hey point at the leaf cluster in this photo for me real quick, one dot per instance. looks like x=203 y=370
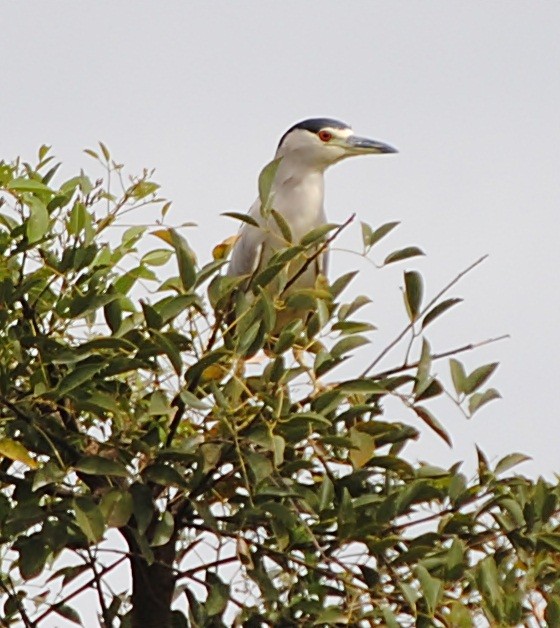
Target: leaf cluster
x=129 y=402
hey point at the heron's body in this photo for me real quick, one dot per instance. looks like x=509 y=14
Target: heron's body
x=306 y=150
x=298 y=197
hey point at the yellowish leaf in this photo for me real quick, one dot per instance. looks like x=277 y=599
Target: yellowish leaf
x=212 y=373
x=364 y=445
x=163 y=234
x=16 y=451
x=220 y=251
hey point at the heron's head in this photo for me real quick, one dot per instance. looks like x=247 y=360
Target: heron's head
x=321 y=142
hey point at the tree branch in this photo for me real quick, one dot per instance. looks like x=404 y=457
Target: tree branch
x=79 y=590
x=98 y=585
x=318 y=252
x=438 y=356
x=410 y=326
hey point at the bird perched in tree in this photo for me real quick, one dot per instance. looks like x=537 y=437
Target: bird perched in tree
x=295 y=198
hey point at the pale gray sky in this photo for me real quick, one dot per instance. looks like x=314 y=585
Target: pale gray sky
x=468 y=91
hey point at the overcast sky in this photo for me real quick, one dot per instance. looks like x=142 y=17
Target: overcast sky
x=469 y=93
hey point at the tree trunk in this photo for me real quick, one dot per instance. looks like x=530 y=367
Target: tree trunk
x=152 y=585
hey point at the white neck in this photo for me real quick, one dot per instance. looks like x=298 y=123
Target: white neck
x=298 y=191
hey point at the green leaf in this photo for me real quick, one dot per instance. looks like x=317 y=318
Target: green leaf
x=170 y=349
x=163 y=530
x=116 y=507
x=80 y=375
x=331 y=616
x=38 y=222
x=352 y=327
x=488 y=580
x=49 y=473
x=260 y=466
x=165 y=475
x=367 y=232
x=178 y=620
x=288 y=336
x=112 y=313
x=192 y=401
x=89 y=518
x=432 y=389
x=268 y=310
x=513 y=509
x=279 y=448
x=478 y=377
x=410 y=594
x=33 y=553
x=77 y=219
x=43 y=151
x=432 y=588
x=458 y=375
x=186 y=260
x=380 y=233
x=143 y=506
x=460 y=616
x=550 y=539
x=242 y=217
x=152 y=318
x=397 y=256
x=477 y=400
x=105 y=151
x=348 y=344
x=413 y=293
x=282 y=225
x=23 y=184
x=326 y=494
x=552 y=611
x=390 y=618
x=266 y=179
x=509 y=461
x=438 y=310
x=431 y=421
x=141 y=189
x=423 y=379
x=317 y=234
x=218 y=595
x=97 y=465
x=347 y=309
x=310 y=417
x=340 y=284
x=157 y=257
x=68 y=613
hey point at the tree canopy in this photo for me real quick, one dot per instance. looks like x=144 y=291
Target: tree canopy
x=250 y=483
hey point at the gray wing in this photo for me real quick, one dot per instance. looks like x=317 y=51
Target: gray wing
x=247 y=252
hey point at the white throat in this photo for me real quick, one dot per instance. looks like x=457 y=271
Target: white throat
x=299 y=191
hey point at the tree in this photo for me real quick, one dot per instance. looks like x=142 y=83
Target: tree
x=265 y=492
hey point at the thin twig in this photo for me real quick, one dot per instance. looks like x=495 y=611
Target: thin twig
x=98 y=585
x=177 y=417
x=438 y=356
x=84 y=587
x=410 y=326
x=318 y=252
x=205 y=566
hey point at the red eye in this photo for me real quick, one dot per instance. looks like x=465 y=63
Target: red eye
x=325 y=136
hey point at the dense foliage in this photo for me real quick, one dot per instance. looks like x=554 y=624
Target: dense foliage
x=260 y=490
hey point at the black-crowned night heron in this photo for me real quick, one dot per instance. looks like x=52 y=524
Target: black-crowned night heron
x=306 y=150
